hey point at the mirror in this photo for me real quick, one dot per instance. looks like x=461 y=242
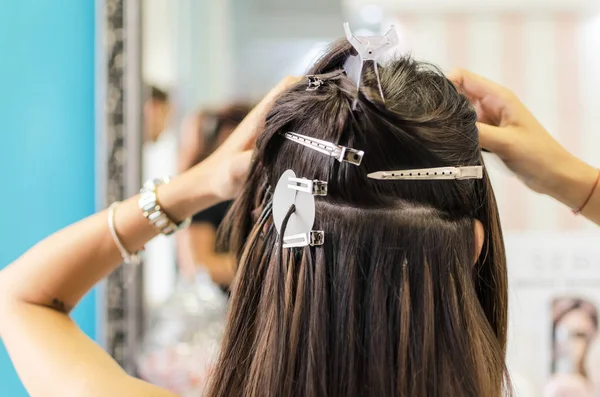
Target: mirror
x=205 y=63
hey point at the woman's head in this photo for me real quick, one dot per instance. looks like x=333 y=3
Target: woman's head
x=393 y=303
x=575 y=326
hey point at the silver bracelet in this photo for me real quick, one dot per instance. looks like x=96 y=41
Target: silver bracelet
x=128 y=257
x=153 y=211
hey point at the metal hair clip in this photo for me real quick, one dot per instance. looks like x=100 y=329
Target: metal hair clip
x=368 y=49
x=314 y=83
x=298 y=192
x=340 y=153
x=460 y=173
x=314 y=238
x=316 y=187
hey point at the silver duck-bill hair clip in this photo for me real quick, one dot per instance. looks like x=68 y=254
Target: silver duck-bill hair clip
x=440 y=173
x=340 y=153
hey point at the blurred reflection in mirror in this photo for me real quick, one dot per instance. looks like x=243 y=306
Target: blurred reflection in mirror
x=200 y=136
x=183 y=337
x=184 y=332
x=159 y=157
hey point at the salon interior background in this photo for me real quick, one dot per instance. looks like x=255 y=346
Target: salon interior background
x=255 y=42
x=212 y=51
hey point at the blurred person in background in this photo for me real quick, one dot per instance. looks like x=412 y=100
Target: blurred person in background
x=159 y=159
x=201 y=135
x=184 y=331
x=157 y=110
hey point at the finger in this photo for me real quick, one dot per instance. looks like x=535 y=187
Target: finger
x=474 y=85
x=244 y=136
x=490 y=99
x=485 y=117
x=493 y=138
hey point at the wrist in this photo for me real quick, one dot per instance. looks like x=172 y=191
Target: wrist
x=187 y=194
x=572 y=180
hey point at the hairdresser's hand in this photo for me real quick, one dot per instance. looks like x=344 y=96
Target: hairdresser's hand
x=508 y=129
x=228 y=166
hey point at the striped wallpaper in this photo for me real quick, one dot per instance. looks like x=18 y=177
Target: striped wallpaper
x=550 y=60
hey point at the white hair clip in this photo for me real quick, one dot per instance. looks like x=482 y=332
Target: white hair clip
x=316 y=187
x=340 y=153
x=300 y=192
x=460 y=173
x=369 y=48
x=313 y=238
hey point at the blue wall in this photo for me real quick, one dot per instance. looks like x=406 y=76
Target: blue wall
x=46 y=132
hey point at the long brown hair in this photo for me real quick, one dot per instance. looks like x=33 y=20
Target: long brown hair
x=391 y=304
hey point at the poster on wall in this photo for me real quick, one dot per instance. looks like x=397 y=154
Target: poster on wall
x=554 y=304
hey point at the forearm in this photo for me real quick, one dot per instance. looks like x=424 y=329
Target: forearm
x=55 y=359
x=61 y=269
x=572 y=184
x=185 y=258
x=52 y=356
x=221 y=268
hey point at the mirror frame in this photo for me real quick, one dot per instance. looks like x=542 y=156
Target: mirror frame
x=119 y=122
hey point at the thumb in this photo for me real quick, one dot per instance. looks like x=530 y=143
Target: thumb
x=493 y=138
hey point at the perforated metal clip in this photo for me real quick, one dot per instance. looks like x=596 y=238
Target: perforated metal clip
x=340 y=153
x=316 y=187
x=459 y=173
x=314 y=238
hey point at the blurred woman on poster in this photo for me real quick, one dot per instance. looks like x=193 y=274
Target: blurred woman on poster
x=575 y=325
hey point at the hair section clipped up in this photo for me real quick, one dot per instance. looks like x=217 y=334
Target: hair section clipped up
x=393 y=300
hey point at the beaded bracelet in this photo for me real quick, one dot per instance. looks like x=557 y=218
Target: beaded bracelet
x=587 y=200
